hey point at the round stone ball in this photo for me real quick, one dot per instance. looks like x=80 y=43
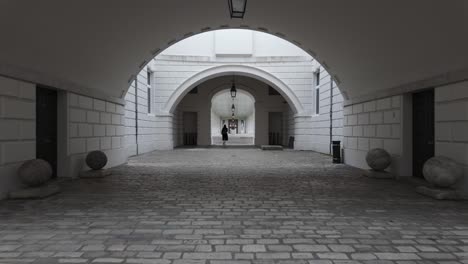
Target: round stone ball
x=442 y=171
x=96 y=160
x=378 y=159
x=35 y=172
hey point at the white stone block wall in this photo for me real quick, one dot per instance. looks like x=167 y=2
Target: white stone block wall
x=288 y=127
x=177 y=132
x=149 y=131
x=311 y=131
x=373 y=124
x=93 y=124
x=17 y=130
x=171 y=71
x=318 y=126
x=451 y=125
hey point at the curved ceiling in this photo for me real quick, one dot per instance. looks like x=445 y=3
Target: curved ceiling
x=221 y=104
x=96 y=46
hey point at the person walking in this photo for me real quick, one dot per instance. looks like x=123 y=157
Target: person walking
x=224 y=133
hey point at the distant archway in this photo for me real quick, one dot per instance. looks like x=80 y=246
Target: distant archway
x=241 y=70
x=238 y=114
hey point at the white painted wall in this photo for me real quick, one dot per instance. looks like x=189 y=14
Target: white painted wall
x=17 y=130
x=451 y=125
x=149 y=131
x=374 y=124
x=387 y=123
x=84 y=124
x=314 y=131
x=93 y=125
x=235 y=42
x=277 y=57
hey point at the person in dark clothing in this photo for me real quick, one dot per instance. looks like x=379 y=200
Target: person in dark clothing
x=224 y=133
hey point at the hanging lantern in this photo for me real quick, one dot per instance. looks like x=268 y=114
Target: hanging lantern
x=233 y=90
x=237 y=8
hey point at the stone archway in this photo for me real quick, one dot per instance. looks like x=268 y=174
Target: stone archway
x=242 y=70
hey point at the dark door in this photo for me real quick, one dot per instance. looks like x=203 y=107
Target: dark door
x=190 y=121
x=46 y=126
x=423 y=129
x=275 y=128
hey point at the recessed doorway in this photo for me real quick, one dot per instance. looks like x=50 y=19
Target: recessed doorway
x=423 y=130
x=275 y=128
x=46 y=126
x=190 y=120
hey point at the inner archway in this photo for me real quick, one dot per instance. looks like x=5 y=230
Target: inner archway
x=262 y=115
x=237 y=114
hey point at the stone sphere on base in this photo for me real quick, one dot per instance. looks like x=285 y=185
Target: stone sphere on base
x=35 y=172
x=378 y=159
x=442 y=171
x=96 y=160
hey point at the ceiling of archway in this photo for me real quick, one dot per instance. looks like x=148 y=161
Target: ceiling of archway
x=98 y=45
x=221 y=104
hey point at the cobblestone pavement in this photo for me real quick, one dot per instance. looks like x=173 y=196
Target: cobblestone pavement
x=227 y=206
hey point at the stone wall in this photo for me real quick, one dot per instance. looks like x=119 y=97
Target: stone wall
x=311 y=131
x=145 y=130
x=171 y=71
x=451 y=125
x=373 y=124
x=316 y=128
x=93 y=124
x=17 y=130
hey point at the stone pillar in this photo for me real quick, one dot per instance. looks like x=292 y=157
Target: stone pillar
x=302 y=132
x=163 y=139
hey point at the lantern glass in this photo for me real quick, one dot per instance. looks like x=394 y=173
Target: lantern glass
x=237 y=8
x=233 y=91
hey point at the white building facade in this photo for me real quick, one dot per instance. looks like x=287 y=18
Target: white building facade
x=259 y=62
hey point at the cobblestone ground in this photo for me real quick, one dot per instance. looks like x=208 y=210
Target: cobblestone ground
x=226 y=206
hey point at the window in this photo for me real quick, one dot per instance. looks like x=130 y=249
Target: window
x=317 y=91
x=317 y=100
x=149 y=79
x=149 y=99
x=149 y=75
x=317 y=77
x=272 y=91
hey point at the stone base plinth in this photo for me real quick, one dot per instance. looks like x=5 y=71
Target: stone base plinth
x=271 y=147
x=92 y=174
x=36 y=192
x=378 y=174
x=441 y=193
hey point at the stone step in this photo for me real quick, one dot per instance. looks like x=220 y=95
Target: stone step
x=271 y=147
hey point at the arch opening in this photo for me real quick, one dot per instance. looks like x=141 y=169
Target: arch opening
x=237 y=114
x=261 y=117
x=233 y=70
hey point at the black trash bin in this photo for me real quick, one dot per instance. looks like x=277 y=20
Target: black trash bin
x=336 y=148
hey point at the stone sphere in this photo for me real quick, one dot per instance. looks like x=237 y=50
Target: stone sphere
x=378 y=159
x=96 y=160
x=35 y=172
x=442 y=171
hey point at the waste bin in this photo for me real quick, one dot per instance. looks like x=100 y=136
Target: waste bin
x=336 y=148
